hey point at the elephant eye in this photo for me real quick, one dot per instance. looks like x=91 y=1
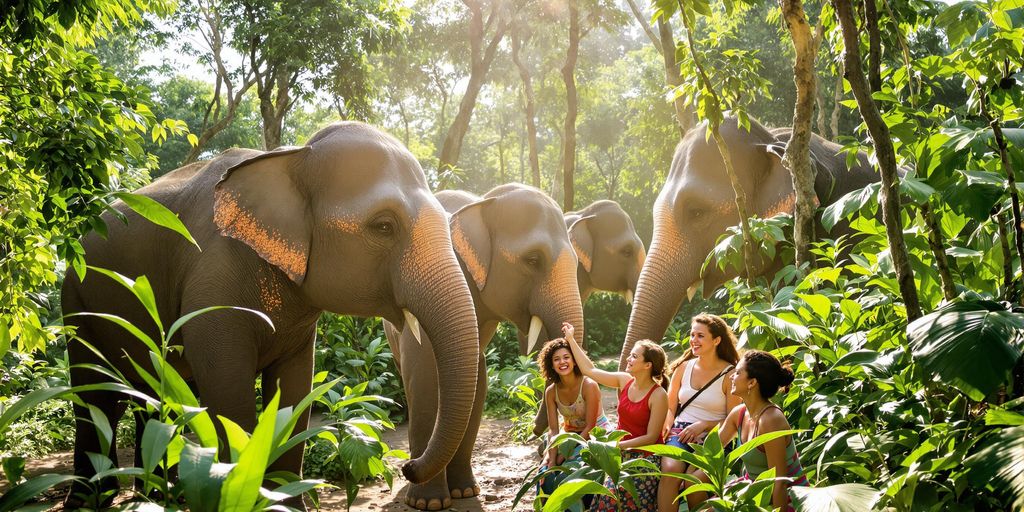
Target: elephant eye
x=532 y=260
x=384 y=227
x=627 y=252
x=696 y=213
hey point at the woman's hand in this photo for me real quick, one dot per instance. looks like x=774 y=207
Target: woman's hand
x=568 y=331
x=693 y=432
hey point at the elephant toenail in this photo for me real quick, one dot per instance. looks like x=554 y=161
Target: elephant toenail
x=434 y=504
x=456 y=493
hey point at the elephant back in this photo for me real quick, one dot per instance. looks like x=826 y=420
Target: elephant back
x=453 y=200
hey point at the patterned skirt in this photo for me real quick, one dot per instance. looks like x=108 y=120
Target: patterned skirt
x=646 y=490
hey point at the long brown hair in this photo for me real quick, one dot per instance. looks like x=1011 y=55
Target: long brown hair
x=726 y=349
x=654 y=354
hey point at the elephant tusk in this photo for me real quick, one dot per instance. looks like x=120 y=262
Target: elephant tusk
x=413 y=324
x=692 y=290
x=535 y=324
x=629 y=297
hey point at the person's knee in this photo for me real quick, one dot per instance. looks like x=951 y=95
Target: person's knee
x=673 y=465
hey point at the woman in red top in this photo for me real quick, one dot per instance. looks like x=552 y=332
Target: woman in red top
x=643 y=404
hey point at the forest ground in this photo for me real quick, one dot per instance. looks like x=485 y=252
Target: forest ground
x=499 y=464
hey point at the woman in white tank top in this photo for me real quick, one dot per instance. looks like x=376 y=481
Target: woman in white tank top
x=708 y=361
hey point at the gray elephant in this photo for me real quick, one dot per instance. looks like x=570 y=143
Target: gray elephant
x=345 y=224
x=610 y=253
x=697 y=204
x=514 y=248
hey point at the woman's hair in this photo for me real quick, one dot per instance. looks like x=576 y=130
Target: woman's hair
x=726 y=349
x=769 y=372
x=547 y=352
x=654 y=354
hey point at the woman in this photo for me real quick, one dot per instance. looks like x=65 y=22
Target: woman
x=758 y=377
x=700 y=383
x=643 y=404
x=577 y=399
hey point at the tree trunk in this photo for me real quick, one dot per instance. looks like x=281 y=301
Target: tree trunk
x=837 y=108
x=1011 y=183
x=874 y=45
x=684 y=114
x=531 y=107
x=480 y=64
x=571 y=106
x=1004 y=244
x=819 y=101
x=942 y=262
x=884 y=152
x=798 y=150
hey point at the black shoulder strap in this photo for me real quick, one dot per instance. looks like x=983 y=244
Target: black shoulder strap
x=701 y=390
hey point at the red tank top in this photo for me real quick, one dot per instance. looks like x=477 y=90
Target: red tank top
x=635 y=416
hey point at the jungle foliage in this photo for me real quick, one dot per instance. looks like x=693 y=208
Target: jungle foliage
x=922 y=414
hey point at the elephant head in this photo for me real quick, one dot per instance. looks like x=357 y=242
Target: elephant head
x=609 y=251
x=350 y=220
x=514 y=246
x=696 y=206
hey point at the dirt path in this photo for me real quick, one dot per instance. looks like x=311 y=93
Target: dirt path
x=499 y=463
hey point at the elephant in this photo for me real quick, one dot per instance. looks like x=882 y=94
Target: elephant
x=345 y=223
x=697 y=204
x=514 y=248
x=609 y=251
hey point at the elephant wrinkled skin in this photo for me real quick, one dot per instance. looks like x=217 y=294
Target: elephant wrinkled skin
x=514 y=248
x=345 y=224
x=697 y=204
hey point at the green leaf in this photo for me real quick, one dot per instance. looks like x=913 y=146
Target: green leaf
x=834 y=498
x=786 y=329
x=849 y=203
x=820 y=304
x=19 y=494
x=998 y=465
x=996 y=416
x=857 y=358
x=185 y=318
x=156 y=213
x=758 y=441
x=13 y=468
x=571 y=492
x=5 y=338
x=201 y=477
x=155 y=438
x=30 y=401
x=973 y=345
x=128 y=326
x=242 y=486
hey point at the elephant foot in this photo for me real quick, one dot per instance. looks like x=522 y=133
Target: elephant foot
x=432 y=495
x=467 y=492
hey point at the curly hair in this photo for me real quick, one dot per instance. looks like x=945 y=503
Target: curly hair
x=726 y=349
x=654 y=354
x=547 y=352
x=770 y=373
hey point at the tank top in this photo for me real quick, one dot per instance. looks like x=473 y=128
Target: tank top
x=710 y=405
x=755 y=461
x=635 y=416
x=574 y=415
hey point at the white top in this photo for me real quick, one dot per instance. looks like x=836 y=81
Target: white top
x=709 y=406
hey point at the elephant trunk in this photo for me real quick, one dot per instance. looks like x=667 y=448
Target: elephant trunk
x=662 y=285
x=559 y=299
x=436 y=292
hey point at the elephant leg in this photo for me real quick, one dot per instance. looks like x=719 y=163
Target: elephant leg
x=461 y=482
x=419 y=377
x=293 y=378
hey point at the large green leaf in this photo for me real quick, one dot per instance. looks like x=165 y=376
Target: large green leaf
x=571 y=492
x=156 y=213
x=155 y=438
x=972 y=344
x=242 y=486
x=787 y=329
x=1001 y=464
x=201 y=477
x=19 y=494
x=834 y=498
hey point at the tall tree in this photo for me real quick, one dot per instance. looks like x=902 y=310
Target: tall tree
x=571 y=107
x=296 y=46
x=519 y=37
x=483 y=48
x=665 y=43
x=884 y=152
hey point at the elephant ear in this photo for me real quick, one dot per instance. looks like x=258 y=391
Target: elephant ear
x=257 y=202
x=583 y=241
x=775 y=187
x=472 y=240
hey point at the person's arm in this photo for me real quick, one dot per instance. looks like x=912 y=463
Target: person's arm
x=591 y=397
x=673 y=399
x=610 y=379
x=658 y=402
x=549 y=400
x=729 y=426
x=731 y=401
x=775 y=450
